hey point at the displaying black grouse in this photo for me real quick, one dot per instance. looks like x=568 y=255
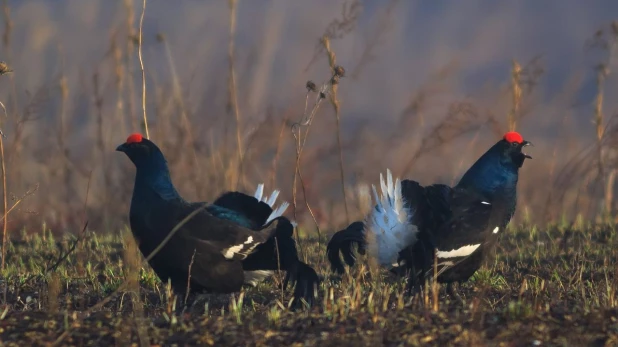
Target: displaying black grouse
x=237 y=240
x=411 y=223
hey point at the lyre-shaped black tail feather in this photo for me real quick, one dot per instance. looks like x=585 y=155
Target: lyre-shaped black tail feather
x=305 y=281
x=342 y=243
x=280 y=253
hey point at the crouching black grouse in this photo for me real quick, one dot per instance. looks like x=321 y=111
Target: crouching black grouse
x=237 y=240
x=460 y=224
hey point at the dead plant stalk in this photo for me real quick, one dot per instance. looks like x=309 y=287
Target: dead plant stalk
x=141 y=63
x=602 y=73
x=232 y=87
x=4 y=204
x=4 y=197
x=516 y=88
x=332 y=59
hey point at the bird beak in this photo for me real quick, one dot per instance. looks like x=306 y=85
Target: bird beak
x=524 y=144
x=121 y=148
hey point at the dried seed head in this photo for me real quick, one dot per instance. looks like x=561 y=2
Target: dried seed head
x=322 y=95
x=339 y=71
x=311 y=86
x=4 y=68
x=335 y=79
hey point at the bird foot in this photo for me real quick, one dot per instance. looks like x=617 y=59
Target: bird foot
x=452 y=292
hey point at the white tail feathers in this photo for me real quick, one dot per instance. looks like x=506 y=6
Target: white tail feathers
x=389 y=221
x=252 y=278
x=259 y=192
x=277 y=212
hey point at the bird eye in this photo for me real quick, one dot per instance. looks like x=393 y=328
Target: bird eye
x=514 y=144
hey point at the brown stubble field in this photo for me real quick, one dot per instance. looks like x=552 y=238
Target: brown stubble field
x=73 y=274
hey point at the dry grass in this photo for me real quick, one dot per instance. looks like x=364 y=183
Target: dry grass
x=557 y=285
x=553 y=278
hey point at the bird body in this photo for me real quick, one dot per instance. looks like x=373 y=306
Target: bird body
x=481 y=204
x=468 y=232
x=152 y=218
x=254 y=212
x=458 y=225
x=216 y=247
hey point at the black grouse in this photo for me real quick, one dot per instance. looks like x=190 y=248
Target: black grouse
x=237 y=240
x=460 y=224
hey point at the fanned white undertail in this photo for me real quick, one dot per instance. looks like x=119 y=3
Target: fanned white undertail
x=389 y=221
x=270 y=200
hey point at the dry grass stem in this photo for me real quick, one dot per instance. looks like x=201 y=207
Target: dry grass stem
x=337 y=72
x=141 y=63
x=4 y=199
x=516 y=98
x=233 y=4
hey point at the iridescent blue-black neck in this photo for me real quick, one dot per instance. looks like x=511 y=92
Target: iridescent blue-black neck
x=494 y=175
x=153 y=176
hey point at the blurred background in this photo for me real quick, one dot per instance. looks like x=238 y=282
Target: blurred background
x=429 y=86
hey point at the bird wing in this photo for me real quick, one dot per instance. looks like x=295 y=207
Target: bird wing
x=432 y=208
x=222 y=235
x=231 y=215
x=437 y=206
x=249 y=211
x=464 y=224
x=429 y=203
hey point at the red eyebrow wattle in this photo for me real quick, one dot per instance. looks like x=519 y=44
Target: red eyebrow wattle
x=134 y=138
x=513 y=136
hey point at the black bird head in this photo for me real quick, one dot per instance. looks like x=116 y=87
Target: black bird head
x=498 y=167
x=142 y=152
x=152 y=170
x=511 y=146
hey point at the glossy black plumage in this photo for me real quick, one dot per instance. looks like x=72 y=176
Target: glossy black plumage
x=221 y=244
x=278 y=253
x=460 y=224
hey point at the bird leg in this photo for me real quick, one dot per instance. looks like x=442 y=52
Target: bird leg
x=414 y=284
x=451 y=291
x=191 y=306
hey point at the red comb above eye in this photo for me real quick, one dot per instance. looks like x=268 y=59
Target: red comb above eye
x=134 y=138
x=513 y=136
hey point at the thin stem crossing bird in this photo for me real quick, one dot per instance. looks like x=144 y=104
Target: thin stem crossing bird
x=237 y=240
